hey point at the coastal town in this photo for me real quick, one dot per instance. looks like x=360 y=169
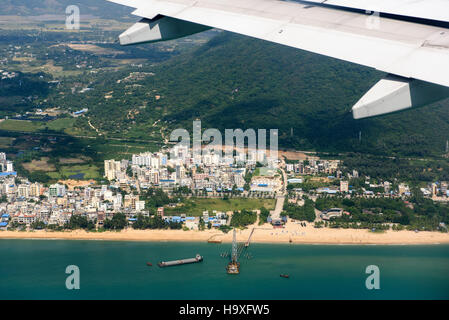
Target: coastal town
x=286 y=186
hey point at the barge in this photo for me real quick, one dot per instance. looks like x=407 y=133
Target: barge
x=198 y=258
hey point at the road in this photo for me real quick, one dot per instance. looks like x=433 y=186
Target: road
x=280 y=199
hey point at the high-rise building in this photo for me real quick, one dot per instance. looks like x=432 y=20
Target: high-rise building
x=434 y=189
x=344 y=186
x=180 y=172
x=130 y=201
x=387 y=186
x=118 y=200
x=9 y=166
x=56 y=190
x=140 y=205
x=111 y=168
x=403 y=188
x=23 y=190
x=35 y=189
x=443 y=187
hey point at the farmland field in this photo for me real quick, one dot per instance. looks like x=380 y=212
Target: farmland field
x=77 y=172
x=39 y=165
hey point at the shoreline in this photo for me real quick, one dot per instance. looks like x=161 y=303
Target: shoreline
x=291 y=234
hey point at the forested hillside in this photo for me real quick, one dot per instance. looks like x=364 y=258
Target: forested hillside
x=239 y=82
x=226 y=80
x=100 y=8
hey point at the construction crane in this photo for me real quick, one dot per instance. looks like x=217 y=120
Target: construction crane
x=236 y=251
x=233 y=266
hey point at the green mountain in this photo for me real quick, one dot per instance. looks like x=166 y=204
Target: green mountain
x=228 y=81
x=99 y=8
x=239 y=82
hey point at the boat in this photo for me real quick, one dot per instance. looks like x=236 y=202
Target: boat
x=198 y=258
x=285 y=276
x=149 y=264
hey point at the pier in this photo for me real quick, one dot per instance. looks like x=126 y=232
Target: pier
x=213 y=239
x=233 y=266
x=249 y=238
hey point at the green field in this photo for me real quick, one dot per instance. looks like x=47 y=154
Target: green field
x=196 y=206
x=63 y=125
x=60 y=124
x=20 y=125
x=34 y=126
x=113 y=149
x=68 y=172
x=6 y=142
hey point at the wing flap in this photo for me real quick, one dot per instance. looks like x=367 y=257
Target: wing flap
x=437 y=10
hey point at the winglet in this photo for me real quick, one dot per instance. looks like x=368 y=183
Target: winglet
x=159 y=29
x=394 y=93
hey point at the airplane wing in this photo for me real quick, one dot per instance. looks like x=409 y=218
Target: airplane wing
x=407 y=39
x=423 y=9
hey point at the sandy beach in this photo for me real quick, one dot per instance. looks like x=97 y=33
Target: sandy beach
x=292 y=233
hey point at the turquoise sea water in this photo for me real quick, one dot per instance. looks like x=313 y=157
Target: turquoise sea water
x=35 y=269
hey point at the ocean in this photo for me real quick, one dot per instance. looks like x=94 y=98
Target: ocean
x=36 y=269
